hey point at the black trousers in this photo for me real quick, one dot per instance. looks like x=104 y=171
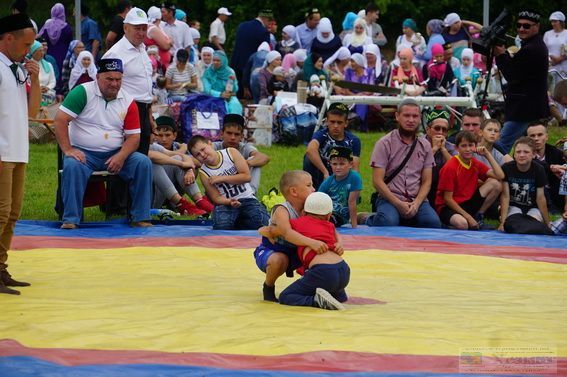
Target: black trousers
x=144 y=110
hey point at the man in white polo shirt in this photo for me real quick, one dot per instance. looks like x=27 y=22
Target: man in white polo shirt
x=16 y=37
x=217 y=35
x=137 y=79
x=98 y=128
x=177 y=30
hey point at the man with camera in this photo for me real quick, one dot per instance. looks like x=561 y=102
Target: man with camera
x=526 y=73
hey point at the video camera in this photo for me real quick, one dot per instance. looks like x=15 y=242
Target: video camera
x=492 y=35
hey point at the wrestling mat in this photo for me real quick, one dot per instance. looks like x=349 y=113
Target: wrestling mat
x=178 y=300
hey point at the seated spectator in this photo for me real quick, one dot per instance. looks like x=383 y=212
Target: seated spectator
x=437 y=73
x=460 y=202
x=457 y=33
x=343 y=186
x=553 y=162
x=278 y=83
x=273 y=60
x=472 y=120
x=181 y=77
x=558 y=105
x=51 y=59
x=402 y=165
x=326 y=43
x=467 y=70
x=358 y=73
x=406 y=75
x=337 y=64
x=160 y=95
x=219 y=80
x=232 y=136
x=202 y=65
x=157 y=67
x=313 y=66
x=356 y=40
x=104 y=135
x=194 y=52
x=75 y=48
x=410 y=38
x=436 y=130
x=523 y=186
x=434 y=29
x=289 y=65
x=253 y=65
x=348 y=24
x=490 y=133
x=174 y=172
x=373 y=62
x=316 y=161
x=449 y=57
x=83 y=71
x=47 y=79
x=226 y=178
x=289 y=42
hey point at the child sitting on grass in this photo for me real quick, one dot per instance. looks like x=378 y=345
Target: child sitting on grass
x=489 y=135
x=460 y=202
x=326 y=274
x=343 y=186
x=226 y=178
x=523 y=186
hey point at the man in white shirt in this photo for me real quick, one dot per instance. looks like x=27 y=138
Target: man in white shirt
x=137 y=79
x=307 y=31
x=217 y=35
x=177 y=30
x=16 y=37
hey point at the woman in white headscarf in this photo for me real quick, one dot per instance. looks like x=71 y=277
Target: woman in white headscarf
x=356 y=40
x=83 y=71
x=202 y=65
x=556 y=42
x=273 y=60
x=300 y=56
x=373 y=61
x=358 y=73
x=156 y=36
x=326 y=43
x=467 y=70
x=289 y=42
x=337 y=64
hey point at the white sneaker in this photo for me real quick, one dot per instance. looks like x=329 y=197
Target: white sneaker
x=325 y=300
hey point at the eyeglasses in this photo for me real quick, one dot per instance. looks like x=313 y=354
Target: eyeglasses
x=440 y=129
x=524 y=26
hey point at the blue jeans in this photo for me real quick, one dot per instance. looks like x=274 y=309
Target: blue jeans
x=137 y=170
x=249 y=215
x=388 y=215
x=511 y=132
x=331 y=277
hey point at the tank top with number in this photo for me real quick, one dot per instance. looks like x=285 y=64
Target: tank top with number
x=226 y=167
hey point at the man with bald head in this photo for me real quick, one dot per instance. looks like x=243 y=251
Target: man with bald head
x=98 y=128
x=16 y=37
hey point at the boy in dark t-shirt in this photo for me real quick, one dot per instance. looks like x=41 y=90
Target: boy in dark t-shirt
x=523 y=186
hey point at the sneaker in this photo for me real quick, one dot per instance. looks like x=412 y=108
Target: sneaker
x=189 y=209
x=479 y=218
x=205 y=204
x=325 y=300
x=269 y=293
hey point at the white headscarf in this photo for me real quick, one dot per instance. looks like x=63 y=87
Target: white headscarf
x=467 y=71
x=374 y=50
x=359 y=59
x=325 y=26
x=264 y=46
x=292 y=33
x=342 y=53
x=78 y=68
x=300 y=55
x=354 y=39
x=209 y=50
x=194 y=33
x=271 y=56
x=154 y=13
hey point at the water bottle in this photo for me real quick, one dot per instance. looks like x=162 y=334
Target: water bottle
x=230 y=84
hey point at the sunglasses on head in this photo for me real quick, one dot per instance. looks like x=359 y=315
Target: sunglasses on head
x=521 y=25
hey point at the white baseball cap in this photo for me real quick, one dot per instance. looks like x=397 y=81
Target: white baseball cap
x=557 y=16
x=136 y=16
x=224 y=11
x=318 y=203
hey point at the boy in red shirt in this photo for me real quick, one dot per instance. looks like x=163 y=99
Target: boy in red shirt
x=326 y=274
x=460 y=201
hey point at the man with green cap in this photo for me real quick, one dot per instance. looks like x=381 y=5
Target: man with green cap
x=436 y=130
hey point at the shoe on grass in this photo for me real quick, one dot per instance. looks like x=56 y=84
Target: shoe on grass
x=325 y=300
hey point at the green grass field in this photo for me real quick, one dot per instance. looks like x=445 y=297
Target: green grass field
x=41 y=180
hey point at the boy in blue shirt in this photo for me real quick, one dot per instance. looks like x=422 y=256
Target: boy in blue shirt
x=343 y=186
